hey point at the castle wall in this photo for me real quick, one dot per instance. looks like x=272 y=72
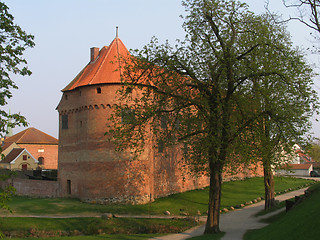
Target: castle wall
x=32 y=188
x=89 y=167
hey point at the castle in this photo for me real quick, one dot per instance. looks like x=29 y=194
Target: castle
x=89 y=167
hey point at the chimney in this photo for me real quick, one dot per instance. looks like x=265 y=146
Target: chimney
x=94 y=52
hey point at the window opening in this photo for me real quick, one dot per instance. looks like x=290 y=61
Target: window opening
x=41 y=160
x=65 y=122
x=164 y=122
x=98 y=90
x=24 y=167
x=127 y=116
x=160 y=146
x=68 y=186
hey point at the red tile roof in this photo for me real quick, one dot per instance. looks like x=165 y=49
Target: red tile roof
x=12 y=155
x=305 y=166
x=104 y=69
x=32 y=136
x=5 y=145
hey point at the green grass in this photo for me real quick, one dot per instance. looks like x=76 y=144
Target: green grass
x=48 y=227
x=99 y=237
x=217 y=236
x=301 y=222
x=233 y=193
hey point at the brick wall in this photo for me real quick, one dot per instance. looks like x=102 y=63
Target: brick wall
x=48 y=152
x=89 y=167
x=34 y=188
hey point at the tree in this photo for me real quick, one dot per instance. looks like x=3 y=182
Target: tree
x=285 y=100
x=307 y=12
x=201 y=89
x=314 y=151
x=13 y=43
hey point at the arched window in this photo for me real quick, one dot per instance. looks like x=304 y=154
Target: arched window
x=41 y=160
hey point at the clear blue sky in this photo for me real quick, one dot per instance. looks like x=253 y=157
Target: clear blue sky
x=66 y=29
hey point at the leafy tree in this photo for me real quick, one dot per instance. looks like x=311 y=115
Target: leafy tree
x=314 y=151
x=199 y=94
x=13 y=43
x=286 y=101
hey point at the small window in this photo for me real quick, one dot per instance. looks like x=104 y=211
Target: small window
x=160 y=146
x=66 y=97
x=185 y=148
x=164 y=122
x=64 y=121
x=80 y=123
x=127 y=116
x=25 y=157
x=177 y=124
x=80 y=93
x=68 y=186
x=41 y=160
x=99 y=90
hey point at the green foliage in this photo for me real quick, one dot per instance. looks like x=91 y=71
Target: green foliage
x=301 y=222
x=13 y=43
x=314 y=152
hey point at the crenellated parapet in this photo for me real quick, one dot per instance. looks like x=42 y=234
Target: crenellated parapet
x=84 y=108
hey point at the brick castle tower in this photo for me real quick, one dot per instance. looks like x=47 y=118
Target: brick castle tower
x=89 y=168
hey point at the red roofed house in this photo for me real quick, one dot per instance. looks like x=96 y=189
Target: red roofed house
x=297 y=169
x=19 y=159
x=43 y=147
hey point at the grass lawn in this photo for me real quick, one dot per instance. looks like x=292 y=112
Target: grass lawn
x=233 y=193
x=48 y=227
x=217 y=236
x=99 y=237
x=301 y=222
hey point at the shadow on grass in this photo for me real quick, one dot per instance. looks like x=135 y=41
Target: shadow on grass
x=216 y=236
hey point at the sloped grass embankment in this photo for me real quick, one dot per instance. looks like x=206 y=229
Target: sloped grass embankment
x=301 y=222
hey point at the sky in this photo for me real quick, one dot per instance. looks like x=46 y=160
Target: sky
x=65 y=30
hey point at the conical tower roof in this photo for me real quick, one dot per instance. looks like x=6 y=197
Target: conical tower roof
x=105 y=68
x=31 y=136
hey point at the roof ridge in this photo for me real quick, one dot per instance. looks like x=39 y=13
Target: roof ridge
x=23 y=134
x=104 y=70
x=118 y=52
x=103 y=61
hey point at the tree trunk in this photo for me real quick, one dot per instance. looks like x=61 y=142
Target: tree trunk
x=268 y=186
x=213 y=219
